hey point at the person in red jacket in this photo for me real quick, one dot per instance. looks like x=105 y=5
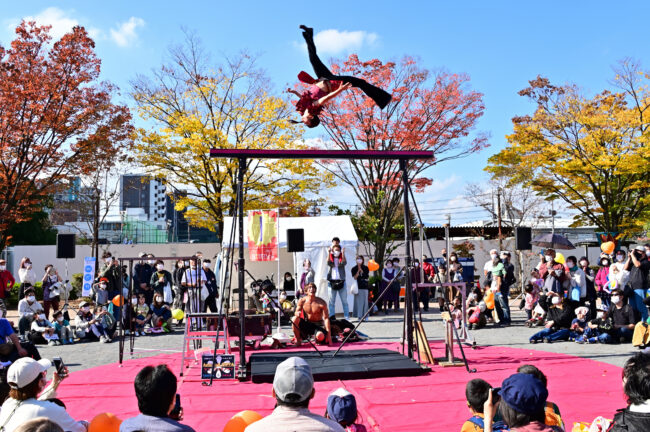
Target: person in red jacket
x=7 y=282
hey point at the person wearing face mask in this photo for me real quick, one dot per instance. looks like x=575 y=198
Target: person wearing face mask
x=360 y=273
x=306 y=277
x=623 y=317
x=111 y=271
x=578 y=282
x=388 y=301
x=420 y=294
x=26 y=275
x=62 y=328
x=638 y=266
x=211 y=285
x=129 y=315
x=498 y=276
x=7 y=282
x=590 y=280
x=27 y=378
x=42 y=332
x=177 y=277
x=487 y=268
x=553 y=273
x=100 y=292
x=194 y=280
x=88 y=325
x=161 y=315
x=502 y=297
x=559 y=317
x=618 y=275
x=28 y=310
x=599 y=329
x=336 y=280
x=142 y=272
x=289 y=285
x=161 y=282
x=601 y=281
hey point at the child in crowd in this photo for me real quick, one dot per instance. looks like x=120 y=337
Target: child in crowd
x=142 y=315
x=531 y=298
x=62 y=328
x=456 y=311
x=579 y=323
x=43 y=332
x=599 y=329
x=552 y=416
x=88 y=325
x=100 y=292
x=476 y=393
x=342 y=408
x=161 y=315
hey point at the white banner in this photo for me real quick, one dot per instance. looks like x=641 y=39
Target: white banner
x=89 y=273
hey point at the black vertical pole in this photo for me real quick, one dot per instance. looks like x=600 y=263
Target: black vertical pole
x=408 y=291
x=241 y=373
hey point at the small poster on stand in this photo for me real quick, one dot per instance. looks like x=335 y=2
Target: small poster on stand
x=224 y=366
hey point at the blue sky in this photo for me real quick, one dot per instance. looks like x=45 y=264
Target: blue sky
x=501 y=45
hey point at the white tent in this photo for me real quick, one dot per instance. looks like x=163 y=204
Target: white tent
x=319 y=232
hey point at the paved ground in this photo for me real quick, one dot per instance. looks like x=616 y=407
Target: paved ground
x=379 y=328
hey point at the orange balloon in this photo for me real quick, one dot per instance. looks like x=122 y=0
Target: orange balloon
x=118 y=300
x=249 y=416
x=235 y=424
x=372 y=265
x=105 y=422
x=608 y=247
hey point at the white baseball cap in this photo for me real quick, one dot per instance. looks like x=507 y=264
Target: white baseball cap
x=293 y=376
x=25 y=370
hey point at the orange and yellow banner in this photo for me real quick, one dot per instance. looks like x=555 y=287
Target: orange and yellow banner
x=263 y=235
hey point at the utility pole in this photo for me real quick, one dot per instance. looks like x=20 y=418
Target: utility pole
x=447 y=226
x=499 y=218
x=553 y=213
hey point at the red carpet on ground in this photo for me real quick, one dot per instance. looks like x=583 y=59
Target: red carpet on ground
x=582 y=388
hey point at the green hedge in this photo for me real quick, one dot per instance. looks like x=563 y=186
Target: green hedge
x=12 y=298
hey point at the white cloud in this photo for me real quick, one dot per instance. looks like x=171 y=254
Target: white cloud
x=333 y=42
x=125 y=34
x=60 y=20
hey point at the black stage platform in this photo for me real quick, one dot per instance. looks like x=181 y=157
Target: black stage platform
x=353 y=364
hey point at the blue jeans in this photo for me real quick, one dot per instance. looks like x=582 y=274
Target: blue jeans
x=502 y=300
x=552 y=335
x=636 y=301
x=343 y=294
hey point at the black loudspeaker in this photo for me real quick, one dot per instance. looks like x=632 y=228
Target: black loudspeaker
x=295 y=240
x=65 y=246
x=522 y=238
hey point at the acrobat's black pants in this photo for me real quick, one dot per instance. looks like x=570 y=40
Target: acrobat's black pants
x=378 y=95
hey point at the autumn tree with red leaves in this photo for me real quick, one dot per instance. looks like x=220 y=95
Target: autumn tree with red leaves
x=56 y=118
x=429 y=111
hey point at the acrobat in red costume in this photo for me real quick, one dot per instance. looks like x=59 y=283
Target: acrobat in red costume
x=328 y=86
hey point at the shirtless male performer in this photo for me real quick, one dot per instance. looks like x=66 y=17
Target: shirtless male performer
x=311 y=317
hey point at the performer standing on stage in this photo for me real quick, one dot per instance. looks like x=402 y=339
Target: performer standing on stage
x=328 y=86
x=311 y=317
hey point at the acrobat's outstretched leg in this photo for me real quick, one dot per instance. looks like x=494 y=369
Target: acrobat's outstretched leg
x=381 y=97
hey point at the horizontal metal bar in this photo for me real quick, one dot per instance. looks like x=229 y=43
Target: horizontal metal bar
x=320 y=154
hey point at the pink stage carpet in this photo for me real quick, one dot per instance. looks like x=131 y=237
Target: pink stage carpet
x=582 y=388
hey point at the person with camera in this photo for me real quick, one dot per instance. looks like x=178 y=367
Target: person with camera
x=89 y=325
x=638 y=266
x=159 y=405
x=27 y=379
x=51 y=291
x=336 y=280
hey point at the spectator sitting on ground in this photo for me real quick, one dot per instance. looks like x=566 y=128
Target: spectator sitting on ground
x=27 y=377
x=28 y=309
x=161 y=315
x=43 y=332
x=476 y=393
x=558 y=319
x=636 y=385
x=599 y=329
x=523 y=398
x=552 y=411
x=623 y=317
x=155 y=388
x=39 y=424
x=88 y=325
x=142 y=315
x=579 y=323
x=62 y=328
x=293 y=388
x=342 y=408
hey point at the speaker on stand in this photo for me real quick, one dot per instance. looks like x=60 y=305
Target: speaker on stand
x=65 y=249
